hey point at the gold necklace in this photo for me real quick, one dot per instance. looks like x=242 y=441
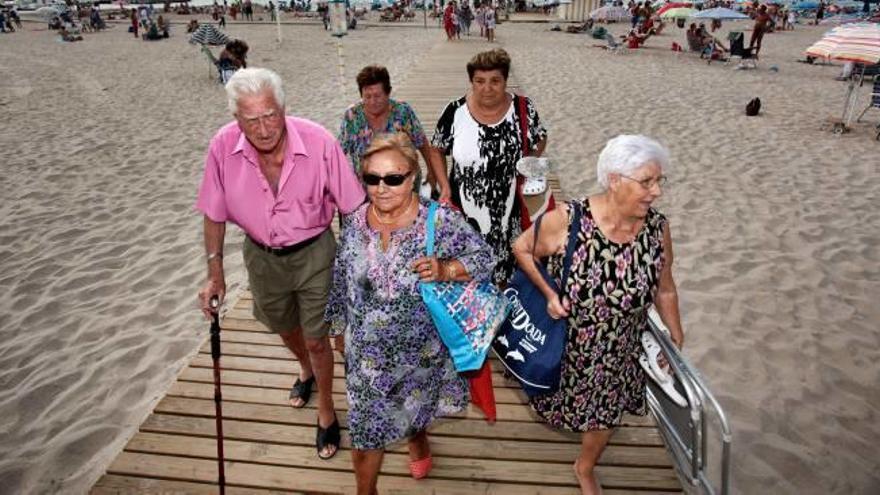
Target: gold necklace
x=394 y=219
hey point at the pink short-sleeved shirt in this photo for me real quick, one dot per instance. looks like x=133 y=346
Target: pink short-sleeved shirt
x=316 y=179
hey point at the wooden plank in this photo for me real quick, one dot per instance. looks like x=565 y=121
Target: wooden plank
x=112 y=484
x=256 y=395
x=501 y=430
x=487 y=470
x=618 y=455
x=290 y=478
x=284 y=382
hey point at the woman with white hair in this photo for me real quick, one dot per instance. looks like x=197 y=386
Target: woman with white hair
x=621 y=266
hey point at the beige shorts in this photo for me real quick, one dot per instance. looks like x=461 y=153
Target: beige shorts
x=290 y=291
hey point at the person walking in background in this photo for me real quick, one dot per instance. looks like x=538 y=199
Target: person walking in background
x=134 y=22
x=482 y=132
x=377 y=113
x=399 y=375
x=490 y=23
x=281 y=179
x=467 y=15
x=248 y=10
x=621 y=267
x=762 y=23
x=272 y=15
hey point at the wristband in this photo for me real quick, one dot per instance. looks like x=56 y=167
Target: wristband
x=211 y=256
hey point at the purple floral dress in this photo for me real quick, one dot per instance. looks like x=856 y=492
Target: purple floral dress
x=611 y=287
x=399 y=376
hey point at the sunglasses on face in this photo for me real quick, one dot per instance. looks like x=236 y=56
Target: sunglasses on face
x=390 y=180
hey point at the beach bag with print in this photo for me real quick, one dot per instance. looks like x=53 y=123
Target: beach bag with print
x=466 y=314
x=531 y=342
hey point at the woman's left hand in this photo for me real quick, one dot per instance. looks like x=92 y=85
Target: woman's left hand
x=428 y=269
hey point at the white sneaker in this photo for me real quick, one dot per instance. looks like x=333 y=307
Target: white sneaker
x=652 y=368
x=534 y=186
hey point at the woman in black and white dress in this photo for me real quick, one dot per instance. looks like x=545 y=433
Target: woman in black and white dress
x=482 y=131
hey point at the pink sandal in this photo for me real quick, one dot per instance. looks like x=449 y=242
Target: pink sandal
x=420 y=469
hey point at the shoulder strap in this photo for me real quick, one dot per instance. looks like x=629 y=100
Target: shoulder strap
x=523 y=123
x=429 y=228
x=573 y=229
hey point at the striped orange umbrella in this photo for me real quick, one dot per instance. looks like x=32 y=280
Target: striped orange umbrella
x=851 y=42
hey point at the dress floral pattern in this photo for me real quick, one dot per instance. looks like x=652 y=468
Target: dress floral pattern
x=611 y=287
x=399 y=376
x=355 y=134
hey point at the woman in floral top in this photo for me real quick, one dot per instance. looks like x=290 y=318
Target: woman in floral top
x=621 y=266
x=377 y=113
x=399 y=376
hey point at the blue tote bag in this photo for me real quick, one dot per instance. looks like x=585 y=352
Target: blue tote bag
x=466 y=314
x=530 y=343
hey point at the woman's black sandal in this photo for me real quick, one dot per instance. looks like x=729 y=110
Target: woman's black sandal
x=301 y=390
x=328 y=436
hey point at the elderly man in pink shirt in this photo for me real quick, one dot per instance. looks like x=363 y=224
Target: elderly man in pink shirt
x=280 y=179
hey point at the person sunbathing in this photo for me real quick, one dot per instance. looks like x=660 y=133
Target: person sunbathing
x=635 y=39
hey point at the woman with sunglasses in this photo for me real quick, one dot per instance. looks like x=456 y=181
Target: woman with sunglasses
x=621 y=266
x=399 y=376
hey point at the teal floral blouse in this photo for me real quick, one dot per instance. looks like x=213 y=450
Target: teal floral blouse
x=355 y=134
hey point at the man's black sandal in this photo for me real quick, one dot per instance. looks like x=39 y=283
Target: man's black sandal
x=326 y=437
x=302 y=390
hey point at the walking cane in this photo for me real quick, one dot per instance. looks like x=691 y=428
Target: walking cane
x=218 y=398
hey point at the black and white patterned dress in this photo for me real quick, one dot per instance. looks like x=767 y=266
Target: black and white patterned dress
x=483 y=172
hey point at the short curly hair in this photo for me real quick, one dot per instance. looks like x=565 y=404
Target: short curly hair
x=496 y=59
x=373 y=74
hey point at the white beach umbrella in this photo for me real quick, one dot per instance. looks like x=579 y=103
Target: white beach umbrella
x=610 y=14
x=720 y=14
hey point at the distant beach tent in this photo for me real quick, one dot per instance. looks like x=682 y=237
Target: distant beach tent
x=808 y=5
x=616 y=14
x=207 y=34
x=720 y=14
x=678 y=13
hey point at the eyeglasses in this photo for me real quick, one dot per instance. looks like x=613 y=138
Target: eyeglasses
x=650 y=181
x=390 y=180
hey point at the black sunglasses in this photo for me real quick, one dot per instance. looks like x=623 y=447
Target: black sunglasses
x=390 y=180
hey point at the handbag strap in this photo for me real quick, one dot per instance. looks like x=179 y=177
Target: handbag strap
x=523 y=123
x=429 y=228
x=573 y=229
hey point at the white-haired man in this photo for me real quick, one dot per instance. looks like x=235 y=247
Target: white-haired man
x=281 y=179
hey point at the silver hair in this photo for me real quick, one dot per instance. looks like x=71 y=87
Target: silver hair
x=252 y=81
x=626 y=153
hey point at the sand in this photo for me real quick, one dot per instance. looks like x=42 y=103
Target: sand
x=101 y=257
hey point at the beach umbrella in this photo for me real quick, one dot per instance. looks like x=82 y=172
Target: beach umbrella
x=218 y=397
x=618 y=14
x=856 y=42
x=672 y=5
x=207 y=34
x=720 y=14
x=50 y=12
x=678 y=13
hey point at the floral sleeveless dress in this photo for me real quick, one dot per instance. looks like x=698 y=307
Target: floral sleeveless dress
x=610 y=286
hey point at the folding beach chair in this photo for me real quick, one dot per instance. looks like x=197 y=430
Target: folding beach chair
x=874 y=103
x=738 y=49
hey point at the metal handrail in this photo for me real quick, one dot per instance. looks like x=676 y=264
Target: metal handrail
x=699 y=397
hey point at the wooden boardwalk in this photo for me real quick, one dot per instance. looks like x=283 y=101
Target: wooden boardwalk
x=269 y=446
